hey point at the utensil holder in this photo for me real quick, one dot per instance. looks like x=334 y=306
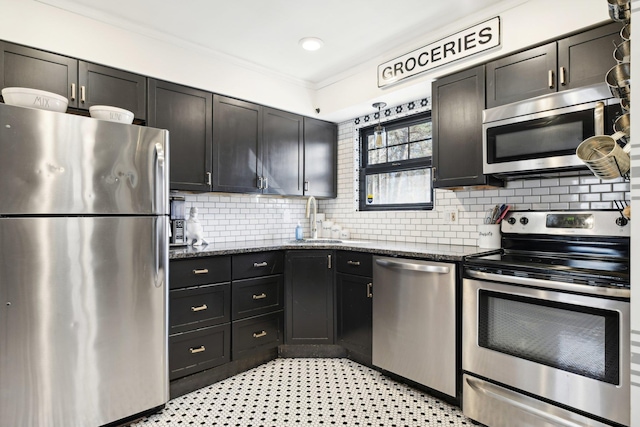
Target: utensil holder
x=489 y=235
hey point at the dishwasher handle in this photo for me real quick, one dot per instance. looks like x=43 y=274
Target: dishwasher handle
x=403 y=265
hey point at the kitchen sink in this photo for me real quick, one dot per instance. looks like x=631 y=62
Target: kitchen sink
x=326 y=241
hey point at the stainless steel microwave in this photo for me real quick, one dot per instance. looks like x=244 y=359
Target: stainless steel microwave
x=539 y=136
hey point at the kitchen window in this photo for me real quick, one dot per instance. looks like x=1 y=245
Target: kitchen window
x=395 y=171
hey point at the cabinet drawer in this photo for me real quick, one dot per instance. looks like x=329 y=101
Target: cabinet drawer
x=193 y=308
x=245 y=266
x=199 y=271
x=252 y=297
x=357 y=263
x=199 y=350
x=257 y=333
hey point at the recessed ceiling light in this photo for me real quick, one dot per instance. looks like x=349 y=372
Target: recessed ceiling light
x=311 y=43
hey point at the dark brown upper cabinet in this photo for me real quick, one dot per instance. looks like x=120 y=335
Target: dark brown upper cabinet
x=187 y=114
x=579 y=60
x=237 y=138
x=282 y=153
x=320 y=158
x=256 y=149
x=458 y=101
x=84 y=84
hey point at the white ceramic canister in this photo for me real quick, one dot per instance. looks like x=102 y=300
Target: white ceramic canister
x=326 y=228
x=335 y=231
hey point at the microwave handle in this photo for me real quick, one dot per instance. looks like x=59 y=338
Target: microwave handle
x=598 y=119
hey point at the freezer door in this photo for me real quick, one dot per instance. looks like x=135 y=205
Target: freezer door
x=83 y=319
x=56 y=163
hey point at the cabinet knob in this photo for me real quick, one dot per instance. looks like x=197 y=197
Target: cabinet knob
x=195 y=350
x=199 y=308
x=260 y=334
x=261 y=296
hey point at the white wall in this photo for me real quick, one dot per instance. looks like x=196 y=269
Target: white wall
x=524 y=22
x=38 y=25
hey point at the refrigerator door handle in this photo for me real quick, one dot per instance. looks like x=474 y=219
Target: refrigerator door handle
x=160 y=193
x=162 y=255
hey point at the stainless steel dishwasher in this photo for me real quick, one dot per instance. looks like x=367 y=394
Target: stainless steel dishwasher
x=414 y=321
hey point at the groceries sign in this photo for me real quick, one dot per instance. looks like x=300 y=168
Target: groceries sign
x=449 y=49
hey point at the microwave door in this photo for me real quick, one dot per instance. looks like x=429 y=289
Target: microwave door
x=545 y=141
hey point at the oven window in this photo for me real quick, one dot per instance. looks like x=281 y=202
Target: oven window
x=581 y=340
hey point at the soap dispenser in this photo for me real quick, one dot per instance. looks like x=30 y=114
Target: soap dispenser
x=299 y=231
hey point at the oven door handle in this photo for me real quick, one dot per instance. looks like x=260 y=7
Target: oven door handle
x=551 y=284
x=514 y=400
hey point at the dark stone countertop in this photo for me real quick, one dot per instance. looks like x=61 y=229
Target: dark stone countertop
x=428 y=251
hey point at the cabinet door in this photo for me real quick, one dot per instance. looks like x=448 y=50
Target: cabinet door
x=107 y=86
x=26 y=67
x=253 y=297
x=522 y=76
x=198 y=307
x=186 y=113
x=237 y=135
x=320 y=158
x=458 y=101
x=309 y=297
x=282 y=152
x=198 y=350
x=585 y=58
x=256 y=334
x=354 y=313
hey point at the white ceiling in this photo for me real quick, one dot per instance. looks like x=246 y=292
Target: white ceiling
x=264 y=34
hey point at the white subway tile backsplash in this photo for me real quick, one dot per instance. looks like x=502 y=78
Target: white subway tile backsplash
x=230 y=217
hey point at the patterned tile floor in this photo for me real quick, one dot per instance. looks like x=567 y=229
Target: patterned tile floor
x=307 y=392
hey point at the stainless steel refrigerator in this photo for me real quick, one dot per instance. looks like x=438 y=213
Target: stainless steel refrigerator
x=83 y=269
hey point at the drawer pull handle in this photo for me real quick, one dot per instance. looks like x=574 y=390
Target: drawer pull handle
x=260 y=334
x=260 y=264
x=370 y=290
x=356 y=263
x=201 y=271
x=197 y=349
x=261 y=296
x=200 y=308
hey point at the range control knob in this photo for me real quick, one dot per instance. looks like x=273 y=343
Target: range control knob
x=524 y=220
x=511 y=220
x=622 y=221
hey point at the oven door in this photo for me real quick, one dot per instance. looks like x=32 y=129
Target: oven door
x=544 y=140
x=566 y=348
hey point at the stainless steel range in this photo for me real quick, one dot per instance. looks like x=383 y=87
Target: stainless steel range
x=546 y=323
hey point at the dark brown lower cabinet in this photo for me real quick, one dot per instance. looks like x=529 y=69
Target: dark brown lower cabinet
x=354 y=314
x=198 y=307
x=354 y=292
x=198 y=350
x=256 y=334
x=309 y=297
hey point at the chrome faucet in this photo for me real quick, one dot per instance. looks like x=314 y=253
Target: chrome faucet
x=314 y=229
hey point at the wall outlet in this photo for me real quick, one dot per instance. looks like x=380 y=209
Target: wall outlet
x=451 y=215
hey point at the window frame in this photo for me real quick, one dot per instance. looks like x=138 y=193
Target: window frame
x=395 y=166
